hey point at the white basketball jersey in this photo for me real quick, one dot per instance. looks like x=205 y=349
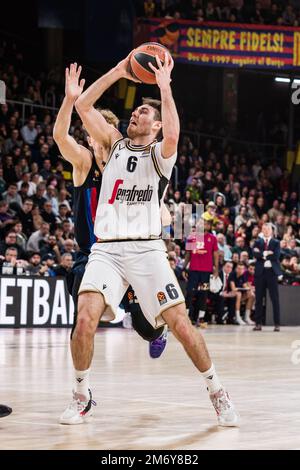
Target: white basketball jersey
x=133 y=182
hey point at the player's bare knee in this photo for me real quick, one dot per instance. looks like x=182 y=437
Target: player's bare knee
x=182 y=328
x=85 y=325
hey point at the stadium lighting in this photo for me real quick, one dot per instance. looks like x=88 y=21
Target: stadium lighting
x=282 y=79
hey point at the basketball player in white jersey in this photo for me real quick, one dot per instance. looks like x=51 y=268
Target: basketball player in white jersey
x=128 y=229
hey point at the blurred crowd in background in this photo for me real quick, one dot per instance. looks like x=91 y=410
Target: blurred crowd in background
x=239 y=191
x=269 y=12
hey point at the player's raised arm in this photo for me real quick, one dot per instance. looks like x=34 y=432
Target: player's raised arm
x=74 y=153
x=95 y=124
x=170 y=119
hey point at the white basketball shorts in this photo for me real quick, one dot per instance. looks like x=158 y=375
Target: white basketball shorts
x=112 y=267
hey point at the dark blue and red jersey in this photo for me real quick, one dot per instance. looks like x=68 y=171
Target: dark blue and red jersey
x=85 y=203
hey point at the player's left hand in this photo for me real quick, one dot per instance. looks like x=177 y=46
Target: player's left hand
x=163 y=72
x=74 y=86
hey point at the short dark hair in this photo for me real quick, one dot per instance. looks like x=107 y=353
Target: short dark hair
x=156 y=104
x=240 y=263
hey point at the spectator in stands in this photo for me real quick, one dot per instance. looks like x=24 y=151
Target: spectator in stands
x=210 y=214
x=69 y=247
x=51 y=197
x=289 y=16
x=65 y=265
x=244 y=294
x=38 y=236
x=222 y=246
x=6 y=216
x=63 y=198
x=13 y=141
x=67 y=230
x=63 y=214
x=149 y=8
x=10 y=264
x=12 y=196
x=39 y=197
x=9 y=173
x=49 y=262
x=34 y=267
x=26 y=218
x=21 y=238
x=51 y=247
x=29 y=132
x=48 y=215
x=280 y=225
x=25 y=178
x=10 y=241
x=46 y=171
x=240 y=245
x=226 y=297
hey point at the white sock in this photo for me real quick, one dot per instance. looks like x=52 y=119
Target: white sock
x=201 y=314
x=82 y=381
x=248 y=313
x=237 y=314
x=212 y=380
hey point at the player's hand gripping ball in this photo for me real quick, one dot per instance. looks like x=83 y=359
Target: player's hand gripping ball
x=140 y=58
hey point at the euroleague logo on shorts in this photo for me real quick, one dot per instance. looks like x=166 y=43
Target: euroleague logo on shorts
x=161 y=298
x=132 y=195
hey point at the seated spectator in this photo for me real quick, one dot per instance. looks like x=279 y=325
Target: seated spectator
x=33 y=243
x=177 y=271
x=51 y=197
x=294 y=248
x=25 y=178
x=48 y=215
x=10 y=241
x=10 y=264
x=194 y=190
x=46 y=171
x=289 y=16
x=240 y=245
x=244 y=294
x=65 y=266
x=39 y=197
x=63 y=198
x=9 y=173
x=69 y=247
x=13 y=141
x=63 y=214
x=225 y=298
x=2 y=182
x=222 y=246
x=34 y=265
x=23 y=193
x=11 y=195
x=149 y=8
x=21 y=238
x=6 y=217
x=29 y=132
x=210 y=213
x=25 y=216
x=244 y=257
x=67 y=230
x=49 y=262
x=51 y=247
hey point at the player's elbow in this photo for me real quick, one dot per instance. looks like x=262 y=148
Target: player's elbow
x=171 y=139
x=57 y=136
x=81 y=105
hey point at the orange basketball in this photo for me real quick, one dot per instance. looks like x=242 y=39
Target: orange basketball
x=142 y=55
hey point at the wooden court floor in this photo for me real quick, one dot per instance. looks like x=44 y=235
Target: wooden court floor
x=151 y=404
